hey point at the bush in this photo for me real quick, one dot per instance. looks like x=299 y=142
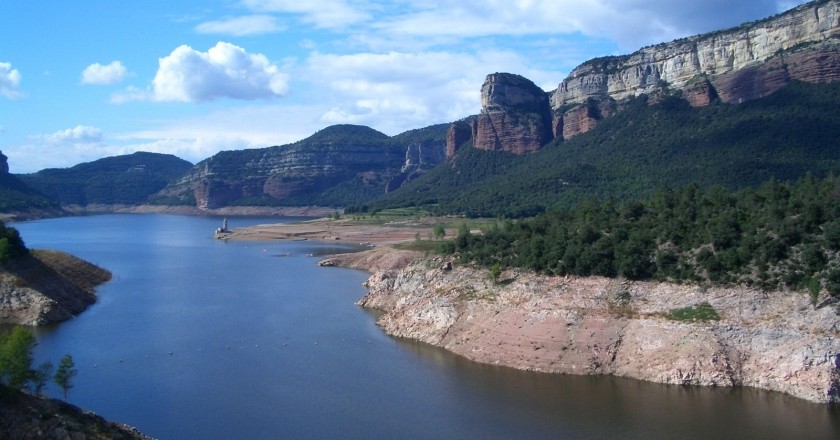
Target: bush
x=700 y=312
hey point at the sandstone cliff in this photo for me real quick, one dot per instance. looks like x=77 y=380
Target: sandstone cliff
x=514 y=115
x=49 y=286
x=774 y=341
x=733 y=66
x=790 y=40
x=338 y=166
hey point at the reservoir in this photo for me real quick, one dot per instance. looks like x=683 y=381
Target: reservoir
x=196 y=338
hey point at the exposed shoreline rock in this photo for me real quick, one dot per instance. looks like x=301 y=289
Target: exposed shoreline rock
x=769 y=340
x=30 y=417
x=47 y=287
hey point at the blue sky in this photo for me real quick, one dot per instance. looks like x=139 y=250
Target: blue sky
x=85 y=79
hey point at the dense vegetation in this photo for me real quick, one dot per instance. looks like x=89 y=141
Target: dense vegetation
x=779 y=236
x=128 y=179
x=645 y=147
x=11 y=244
x=16 y=196
x=17 y=371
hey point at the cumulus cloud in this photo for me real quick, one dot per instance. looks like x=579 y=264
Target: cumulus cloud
x=80 y=134
x=9 y=81
x=398 y=91
x=328 y=14
x=241 y=26
x=108 y=74
x=224 y=71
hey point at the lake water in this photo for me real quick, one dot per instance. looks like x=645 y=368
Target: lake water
x=196 y=338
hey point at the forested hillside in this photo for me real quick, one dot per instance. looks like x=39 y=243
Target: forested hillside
x=646 y=147
x=779 y=236
x=128 y=179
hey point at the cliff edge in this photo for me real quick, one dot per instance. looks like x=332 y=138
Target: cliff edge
x=770 y=340
x=47 y=286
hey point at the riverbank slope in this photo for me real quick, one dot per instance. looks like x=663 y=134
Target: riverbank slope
x=47 y=286
x=30 y=417
x=769 y=340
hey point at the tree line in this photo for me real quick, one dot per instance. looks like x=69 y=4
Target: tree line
x=781 y=235
x=17 y=371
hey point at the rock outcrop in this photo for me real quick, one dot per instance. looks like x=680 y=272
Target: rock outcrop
x=46 y=287
x=774 y=341
x=733 y=66
x=350 y=161
x=794 y=34
x=27 y=417
x=515 y=115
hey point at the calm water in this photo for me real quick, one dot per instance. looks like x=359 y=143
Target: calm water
x=200 y=339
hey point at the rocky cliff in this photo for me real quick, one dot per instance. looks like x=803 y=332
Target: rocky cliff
x=48 y=286
x=769 y=340
x=797 y=44
x=514 y=115
x=733 y=66
x=339 y=165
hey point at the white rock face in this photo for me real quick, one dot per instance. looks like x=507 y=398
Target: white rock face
x=678 y=62
x=775 y=341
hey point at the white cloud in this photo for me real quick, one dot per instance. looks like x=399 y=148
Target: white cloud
x=224 y=71
x=241 y=26
x=397 y=91
x=108 y=74
x=329 y=14
x=80 y=134
x=9 y=81
x=629 y=23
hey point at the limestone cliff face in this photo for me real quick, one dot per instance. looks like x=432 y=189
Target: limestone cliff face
x=733 y=66
x=47 y=287
x=515 y=115
x=775 y=341
x=795 y=41
x=419 y=158
x=356 y=158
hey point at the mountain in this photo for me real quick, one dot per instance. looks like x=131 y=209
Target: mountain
x=17 y=199
x=732 y=108
x=731 y=66
x=645 y=147
x=128 y=179
x=337 y=166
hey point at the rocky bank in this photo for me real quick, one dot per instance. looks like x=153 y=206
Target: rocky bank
x=770 y=340
x=27 y=417
x=48 y=286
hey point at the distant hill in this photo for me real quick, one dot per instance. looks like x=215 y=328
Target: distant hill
x=337 y=166
x=636 y=151
x=128 y=179
x=17 y=199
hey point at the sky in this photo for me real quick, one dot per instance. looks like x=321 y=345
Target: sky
x=86 y=79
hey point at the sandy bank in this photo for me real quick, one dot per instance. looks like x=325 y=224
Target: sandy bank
x=346 y=231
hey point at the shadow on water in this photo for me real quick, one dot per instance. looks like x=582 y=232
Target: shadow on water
x=616 y=407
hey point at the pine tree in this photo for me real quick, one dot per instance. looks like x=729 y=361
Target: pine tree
x=64 y=375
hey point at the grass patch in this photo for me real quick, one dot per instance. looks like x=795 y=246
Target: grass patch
x=419 y=245
x=699 y=312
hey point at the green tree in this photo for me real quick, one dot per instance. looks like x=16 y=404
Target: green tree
x=41 y=376
x=16 y=357
x=65 y=373
x=496 y=272
x=439 y=231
